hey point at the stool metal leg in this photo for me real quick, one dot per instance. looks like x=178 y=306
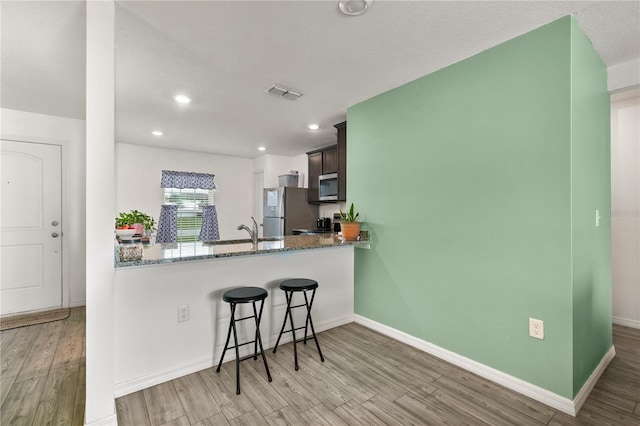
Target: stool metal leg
x=226 y=345
x=306 y=321
x=313 y=331
x=258 y=317
x=284 y=323
x=255 y=338
x=293 y=328
x=235 y=339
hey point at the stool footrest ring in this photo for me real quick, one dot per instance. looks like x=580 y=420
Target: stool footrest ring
x=297 y=328
x=242 y=344
x=298 y=306
x=245 y=318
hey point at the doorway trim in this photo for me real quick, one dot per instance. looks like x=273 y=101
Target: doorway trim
x=32 y=297
x=66 y=287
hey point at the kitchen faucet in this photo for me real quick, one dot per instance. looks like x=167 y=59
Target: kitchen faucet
x=253 y=233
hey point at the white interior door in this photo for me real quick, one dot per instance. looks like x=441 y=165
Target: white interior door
x=31 y=229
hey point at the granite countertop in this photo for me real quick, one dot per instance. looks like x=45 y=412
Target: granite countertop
x=155 y=254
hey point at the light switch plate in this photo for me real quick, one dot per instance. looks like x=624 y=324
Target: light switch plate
x=183 y=313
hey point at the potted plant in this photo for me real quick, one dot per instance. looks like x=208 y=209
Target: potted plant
x=136 y=219
x=350 y=226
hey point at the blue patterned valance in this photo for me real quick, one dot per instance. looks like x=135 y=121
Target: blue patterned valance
x=182 y=180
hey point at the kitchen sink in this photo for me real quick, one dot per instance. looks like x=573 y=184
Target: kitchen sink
x=243 y=241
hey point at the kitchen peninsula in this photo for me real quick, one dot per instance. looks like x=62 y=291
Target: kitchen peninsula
x=155 y=344
x=198 y=250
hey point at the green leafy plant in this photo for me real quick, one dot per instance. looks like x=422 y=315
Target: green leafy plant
x=350 y=216
x=135 y=216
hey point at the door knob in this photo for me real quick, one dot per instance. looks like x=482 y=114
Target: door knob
x=54 y=234
x=55 y=223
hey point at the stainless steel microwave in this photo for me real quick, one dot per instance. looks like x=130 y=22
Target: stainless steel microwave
x=328 y=187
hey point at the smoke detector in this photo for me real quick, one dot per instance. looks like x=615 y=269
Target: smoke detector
x=284 y=93
x=354 y=7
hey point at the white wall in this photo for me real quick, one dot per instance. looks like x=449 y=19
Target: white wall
x=70 y=135
x=625 y=205
x=327 y=210
x=301 y=164
x=139 y=169
x=276 y=165
x=100 y=206
x=624 y=75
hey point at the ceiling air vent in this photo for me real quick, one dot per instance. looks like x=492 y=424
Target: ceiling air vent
x=284 y=93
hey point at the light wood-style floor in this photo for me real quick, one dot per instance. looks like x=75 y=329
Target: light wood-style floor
x=42 y=377
x=370 y=379
x=367 y=379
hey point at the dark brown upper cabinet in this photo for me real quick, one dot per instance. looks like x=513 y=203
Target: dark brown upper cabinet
x=315 y=170
x=331 y=159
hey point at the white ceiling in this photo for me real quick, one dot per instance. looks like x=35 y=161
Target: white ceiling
x=226 y=54
x=43 y=57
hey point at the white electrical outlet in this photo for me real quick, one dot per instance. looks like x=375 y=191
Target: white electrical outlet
x=536 y=328
x=183 y=313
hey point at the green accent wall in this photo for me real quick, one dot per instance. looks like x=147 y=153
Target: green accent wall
x=466 y=180
x=591 y=190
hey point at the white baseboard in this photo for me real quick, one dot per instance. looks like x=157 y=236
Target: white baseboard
x=111 y=420
x=588 y=386
x=155 y=378
x=626 y=322
x=542 y=395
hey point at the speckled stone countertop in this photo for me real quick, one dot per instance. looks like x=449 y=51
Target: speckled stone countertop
x=156 y=254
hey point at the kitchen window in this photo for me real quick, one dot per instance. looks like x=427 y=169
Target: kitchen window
x=188 y=213
x=189 y=202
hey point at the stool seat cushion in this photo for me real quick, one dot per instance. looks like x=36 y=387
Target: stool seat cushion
x=298 y=284
x=244 y=294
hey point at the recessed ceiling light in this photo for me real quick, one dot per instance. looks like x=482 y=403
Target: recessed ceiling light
x=182 y=99
x=313 y=126
x=157 y=133
x=354 y=7
x=262 y=148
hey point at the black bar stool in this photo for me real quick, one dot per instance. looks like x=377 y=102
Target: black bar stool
x=289 y=287
x=244 y=295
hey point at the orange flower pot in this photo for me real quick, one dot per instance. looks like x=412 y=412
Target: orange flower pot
x=350 y=230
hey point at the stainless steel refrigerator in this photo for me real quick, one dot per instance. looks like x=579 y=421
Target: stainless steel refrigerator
x=286 y=209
